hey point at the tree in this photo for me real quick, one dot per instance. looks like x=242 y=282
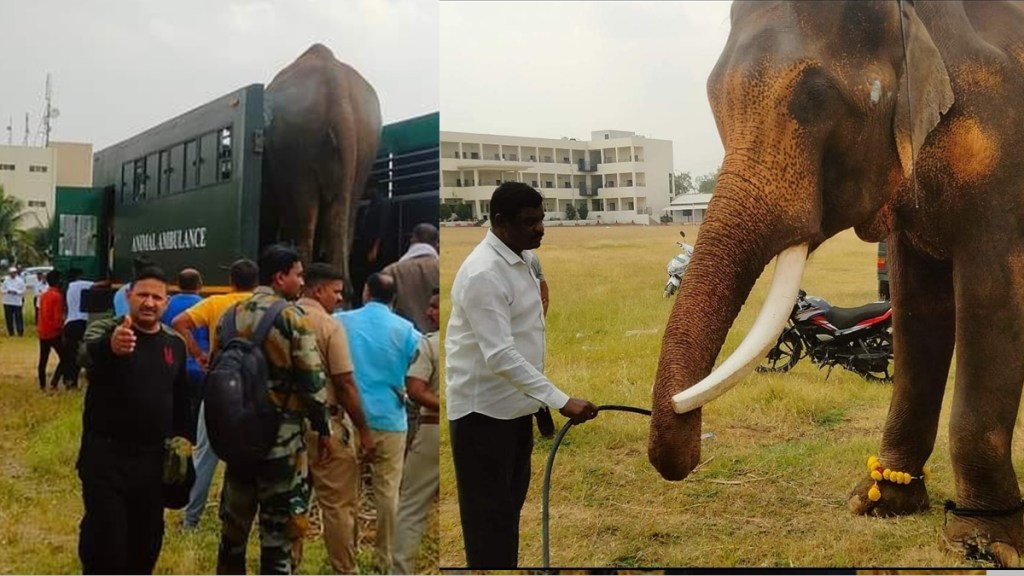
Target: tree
x=706 y=183
x=464 y=211
x=12 y=211
x=682 y=182
x=583 y=211
x=444 y=212
x=570 y=211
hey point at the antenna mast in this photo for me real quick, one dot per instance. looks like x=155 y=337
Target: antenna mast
x=47 y=113
x=27 y=131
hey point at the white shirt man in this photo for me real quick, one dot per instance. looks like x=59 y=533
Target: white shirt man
x=497 y=323
x=14 y=289
x=495 y=382
x=14 y=299
x=74 y=327
x=74 y=298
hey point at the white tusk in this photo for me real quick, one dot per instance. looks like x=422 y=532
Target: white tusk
x=789 y=270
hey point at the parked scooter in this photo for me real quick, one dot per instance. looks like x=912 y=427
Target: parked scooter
x=858 y=339
x=677 y=266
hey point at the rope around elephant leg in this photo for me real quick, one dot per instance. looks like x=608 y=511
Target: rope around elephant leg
x=546 y=491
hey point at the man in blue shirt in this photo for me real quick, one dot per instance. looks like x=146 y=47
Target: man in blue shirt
x=382 y=345
x=190 y=282
x=121 y=296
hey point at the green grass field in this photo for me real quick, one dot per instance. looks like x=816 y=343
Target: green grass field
x=40 y=494
x=787 y=448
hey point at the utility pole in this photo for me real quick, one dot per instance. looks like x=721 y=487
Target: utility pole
x=10 y=129
x=27 y=131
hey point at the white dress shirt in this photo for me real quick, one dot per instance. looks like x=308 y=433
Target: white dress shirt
x=494 y=345
x=74 y=298
x=14 y=291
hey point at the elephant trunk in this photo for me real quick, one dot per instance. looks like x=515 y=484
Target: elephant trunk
x=743 y=231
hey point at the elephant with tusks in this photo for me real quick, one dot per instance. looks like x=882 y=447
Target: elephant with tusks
x=904 y=121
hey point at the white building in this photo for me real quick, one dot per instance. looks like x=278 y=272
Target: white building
x=33 y=174
x=688 y=208
x=621 y=177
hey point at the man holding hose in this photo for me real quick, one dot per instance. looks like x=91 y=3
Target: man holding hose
x=494 y=375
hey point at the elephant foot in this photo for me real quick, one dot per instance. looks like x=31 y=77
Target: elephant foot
x=896 y=500
x=999 y=540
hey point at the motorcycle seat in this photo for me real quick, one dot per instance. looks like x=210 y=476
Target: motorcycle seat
x=843 y=318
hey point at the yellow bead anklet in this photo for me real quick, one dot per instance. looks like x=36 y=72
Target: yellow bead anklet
x=878 y=472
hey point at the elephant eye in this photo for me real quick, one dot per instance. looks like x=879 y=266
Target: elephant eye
x=815 y=98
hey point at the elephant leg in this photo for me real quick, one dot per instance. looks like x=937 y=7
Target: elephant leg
x=989 y=375
x=335 y=222
x=299 y=218
x=924 y=334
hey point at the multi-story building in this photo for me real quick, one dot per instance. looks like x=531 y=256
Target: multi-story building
x=33 y=174
x=620 y=176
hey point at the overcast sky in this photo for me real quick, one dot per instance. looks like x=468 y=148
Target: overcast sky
x=121 y=66
x=553 y=69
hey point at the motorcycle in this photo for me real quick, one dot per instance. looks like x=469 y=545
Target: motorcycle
x=857 y=339
x=676 y=267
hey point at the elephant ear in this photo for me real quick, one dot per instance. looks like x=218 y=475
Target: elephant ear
x=930 y=94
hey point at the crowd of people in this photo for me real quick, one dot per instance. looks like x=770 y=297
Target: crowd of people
x=351 y=387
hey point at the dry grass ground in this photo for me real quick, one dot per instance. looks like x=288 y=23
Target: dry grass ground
x=40 y=494
x=786 y=448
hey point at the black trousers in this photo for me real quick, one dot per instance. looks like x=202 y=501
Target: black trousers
x=492 y=473
x=122 y=487
x=45 y=346
x=74 y=332
x=15 y=320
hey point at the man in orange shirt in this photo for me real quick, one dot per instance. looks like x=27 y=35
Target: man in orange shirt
x=49 y=326
x=244 y=277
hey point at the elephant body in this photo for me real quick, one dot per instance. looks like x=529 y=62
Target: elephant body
x=321 y=139
x=904 y=121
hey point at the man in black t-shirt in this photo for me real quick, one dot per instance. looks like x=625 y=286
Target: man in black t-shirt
x=137 y=400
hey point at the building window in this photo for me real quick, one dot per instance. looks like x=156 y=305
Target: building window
x=36 y=204
x=139 y=180
x=77 y=235
x=224 y=155
x=9 y=167
x=208 y=158
x=164 y=182
x=37 y=168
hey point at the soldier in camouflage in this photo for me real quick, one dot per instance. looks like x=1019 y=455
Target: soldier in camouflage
x=278 y=489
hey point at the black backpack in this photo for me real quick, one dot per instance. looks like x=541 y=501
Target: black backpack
x=241 y=421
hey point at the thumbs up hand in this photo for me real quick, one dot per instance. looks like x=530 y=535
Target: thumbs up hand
x=122 y=342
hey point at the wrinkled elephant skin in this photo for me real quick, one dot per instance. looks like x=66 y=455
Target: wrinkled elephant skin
x=321 y=139
x=833 y=116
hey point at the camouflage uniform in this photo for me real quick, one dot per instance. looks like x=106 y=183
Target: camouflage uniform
x=278 y=488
